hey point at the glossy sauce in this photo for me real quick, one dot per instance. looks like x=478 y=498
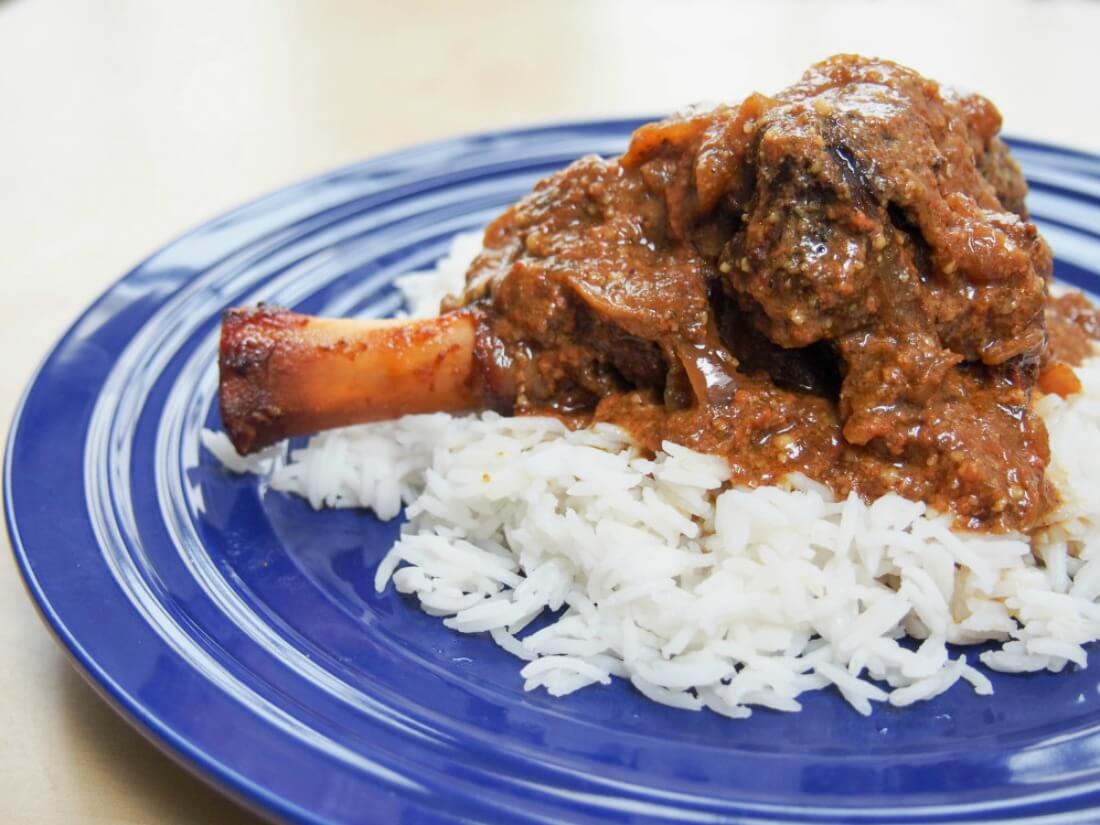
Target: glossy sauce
x=840 y=280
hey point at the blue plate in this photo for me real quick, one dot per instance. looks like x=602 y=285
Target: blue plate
x=240 y=629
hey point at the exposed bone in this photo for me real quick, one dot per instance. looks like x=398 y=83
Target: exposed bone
x=285 y=374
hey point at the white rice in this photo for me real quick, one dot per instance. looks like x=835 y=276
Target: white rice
x=704 y=597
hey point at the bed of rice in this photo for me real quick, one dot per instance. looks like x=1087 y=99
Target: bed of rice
x=700 y=595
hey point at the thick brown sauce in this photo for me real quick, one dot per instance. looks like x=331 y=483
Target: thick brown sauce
x=1073 y=325
x=840 y=281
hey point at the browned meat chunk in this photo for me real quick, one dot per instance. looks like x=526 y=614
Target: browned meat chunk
x=839 y=280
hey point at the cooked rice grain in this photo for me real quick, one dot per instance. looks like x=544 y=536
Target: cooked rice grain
x=704 y=597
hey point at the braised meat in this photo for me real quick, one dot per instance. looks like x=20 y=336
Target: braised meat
x=840 y=280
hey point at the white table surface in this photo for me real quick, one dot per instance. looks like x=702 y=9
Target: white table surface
x=125 y=122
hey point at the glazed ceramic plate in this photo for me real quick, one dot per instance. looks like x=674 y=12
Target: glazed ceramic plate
x=240 y=629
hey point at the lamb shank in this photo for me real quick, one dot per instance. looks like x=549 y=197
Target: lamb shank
x=840 y=280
